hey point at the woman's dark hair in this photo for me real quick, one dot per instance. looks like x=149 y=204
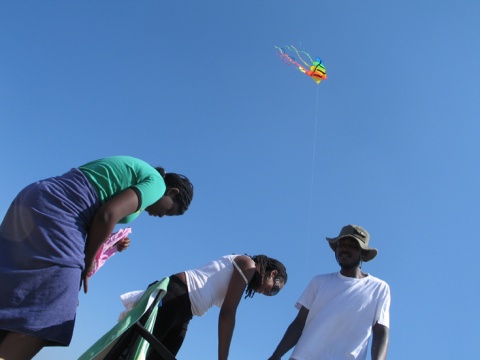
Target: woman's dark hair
x=264 y=266
x=180 y=182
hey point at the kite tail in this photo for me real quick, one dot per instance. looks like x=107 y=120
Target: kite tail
x=298 y=54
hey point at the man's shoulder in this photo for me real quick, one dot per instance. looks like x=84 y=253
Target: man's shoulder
x=323 y=276
x=375 y=278
x=378 y=281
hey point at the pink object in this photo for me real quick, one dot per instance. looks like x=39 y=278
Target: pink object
x=108 y=249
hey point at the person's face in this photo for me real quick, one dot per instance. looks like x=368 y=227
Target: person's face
x=166 y=205
x=270 y=285
x=348 y=253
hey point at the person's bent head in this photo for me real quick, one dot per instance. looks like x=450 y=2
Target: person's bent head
x=270 y=277
x=177 y=197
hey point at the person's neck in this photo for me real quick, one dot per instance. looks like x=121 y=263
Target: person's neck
x=354 y=272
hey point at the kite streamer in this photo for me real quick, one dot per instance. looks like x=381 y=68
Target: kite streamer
x=315 y=68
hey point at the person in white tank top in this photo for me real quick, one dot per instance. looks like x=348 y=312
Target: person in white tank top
x=222 y=283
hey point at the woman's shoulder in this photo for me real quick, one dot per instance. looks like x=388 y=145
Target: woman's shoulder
x=244 y=261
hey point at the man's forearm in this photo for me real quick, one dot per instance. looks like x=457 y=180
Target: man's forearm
x=288 y=341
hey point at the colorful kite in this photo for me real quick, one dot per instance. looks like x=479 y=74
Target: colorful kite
x=315 y=69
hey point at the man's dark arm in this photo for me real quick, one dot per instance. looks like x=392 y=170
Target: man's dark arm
x=292 y=335
x=379 y=342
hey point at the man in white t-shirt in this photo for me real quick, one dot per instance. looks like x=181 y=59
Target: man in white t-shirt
x=339 y=312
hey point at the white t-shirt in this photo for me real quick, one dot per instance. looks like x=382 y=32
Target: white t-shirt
x=207 y=285
x=342 y=311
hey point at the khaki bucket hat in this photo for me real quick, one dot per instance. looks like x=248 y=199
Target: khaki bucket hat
x=358 y=233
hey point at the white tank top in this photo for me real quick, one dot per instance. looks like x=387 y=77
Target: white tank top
x=208 y=284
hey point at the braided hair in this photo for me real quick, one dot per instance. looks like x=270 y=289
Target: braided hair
x=264 y=265
x=181 y=182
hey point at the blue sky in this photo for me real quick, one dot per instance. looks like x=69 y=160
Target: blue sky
x=389 y=142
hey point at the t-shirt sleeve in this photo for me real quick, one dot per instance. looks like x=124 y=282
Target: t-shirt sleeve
x=307 y=298
x=149 y=190
x=382 y=315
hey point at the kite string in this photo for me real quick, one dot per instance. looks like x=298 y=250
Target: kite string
x=311 y=183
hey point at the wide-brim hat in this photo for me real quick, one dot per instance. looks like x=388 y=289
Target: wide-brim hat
x=358 y=233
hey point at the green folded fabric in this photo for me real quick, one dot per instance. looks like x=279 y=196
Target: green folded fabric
x=101 y=348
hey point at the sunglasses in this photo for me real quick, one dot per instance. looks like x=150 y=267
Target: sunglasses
x=276 y=288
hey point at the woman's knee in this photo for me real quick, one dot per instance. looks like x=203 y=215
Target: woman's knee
x=16 y=346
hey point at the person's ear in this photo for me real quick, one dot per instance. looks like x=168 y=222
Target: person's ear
x=172 y=192
x=274 y=273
